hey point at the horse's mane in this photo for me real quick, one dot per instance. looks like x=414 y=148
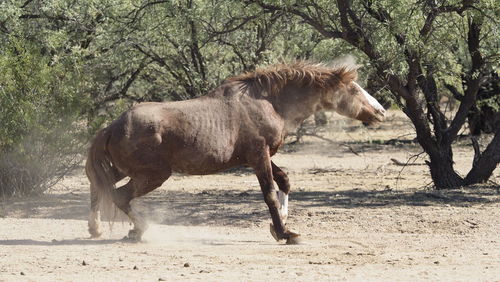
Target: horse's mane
x=269 y=81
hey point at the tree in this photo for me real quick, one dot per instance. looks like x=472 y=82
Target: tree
x=70 y=60
x=415 y=48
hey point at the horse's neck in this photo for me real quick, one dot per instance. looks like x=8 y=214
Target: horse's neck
x=295 y=104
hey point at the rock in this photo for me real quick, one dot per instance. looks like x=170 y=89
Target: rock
x=186 y=264
x=22 y=273
x=84 y=263
x=135 y=267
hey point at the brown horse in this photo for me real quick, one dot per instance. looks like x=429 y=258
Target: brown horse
x=241 y=122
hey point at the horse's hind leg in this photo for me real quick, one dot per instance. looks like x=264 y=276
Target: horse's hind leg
x=94 y=222
x=281 y=179
x=95 y=215
x=136 y=187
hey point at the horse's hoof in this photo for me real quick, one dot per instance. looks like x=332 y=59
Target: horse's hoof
x=94 y=234
x=294 y=239
x=273 y=232
x=133 y=236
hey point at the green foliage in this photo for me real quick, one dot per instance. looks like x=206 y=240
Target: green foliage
x=39 y=107
x=78 y=64
x=34 y=93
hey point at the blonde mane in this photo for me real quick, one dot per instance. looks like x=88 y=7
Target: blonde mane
x=269 y=81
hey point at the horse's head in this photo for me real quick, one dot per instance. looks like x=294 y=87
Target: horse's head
x=349 y=99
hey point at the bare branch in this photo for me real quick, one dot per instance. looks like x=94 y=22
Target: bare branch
x=4 y=28
x=435 y=11
x=228 y=29
x=26 y=3
x=329 y=33
x=139 y=10
x=454 y=91
x=474 y=79
x=380 y=14
x=44 y=16
x=123 y=93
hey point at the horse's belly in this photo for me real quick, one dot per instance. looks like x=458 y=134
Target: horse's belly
x=188 y=163
x=203 y=158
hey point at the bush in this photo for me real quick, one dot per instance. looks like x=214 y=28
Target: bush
x=40 y=102
x=40 y=161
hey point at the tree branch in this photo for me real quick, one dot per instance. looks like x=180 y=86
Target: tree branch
x=454 y=91
x=26 y=3
x=228 y=29
x=474 y=79
x=139 y=10
x=428 y=85
x=380 y=14
x=122 y=93
x=435 y=11
x=329 y=33
x=38 y=16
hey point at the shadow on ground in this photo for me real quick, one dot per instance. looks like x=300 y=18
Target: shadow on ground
x=29 y=242
x=237 y=208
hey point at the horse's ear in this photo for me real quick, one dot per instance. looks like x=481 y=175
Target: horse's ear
x=345 y=73
x=349 y=74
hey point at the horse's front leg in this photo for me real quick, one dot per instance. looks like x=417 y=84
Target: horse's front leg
x=281 y=179
x=264 y=172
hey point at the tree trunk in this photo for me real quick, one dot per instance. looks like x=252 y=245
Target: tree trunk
x=441 y=166
x=443 y=175
x=486 y=163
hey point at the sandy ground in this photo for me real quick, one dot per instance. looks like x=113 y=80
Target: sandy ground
x=361 y=217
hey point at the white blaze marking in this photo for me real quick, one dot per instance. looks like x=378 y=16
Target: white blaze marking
x=283 y=199
x=373 y=102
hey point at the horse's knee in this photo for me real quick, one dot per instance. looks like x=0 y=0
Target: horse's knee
x=270 y=198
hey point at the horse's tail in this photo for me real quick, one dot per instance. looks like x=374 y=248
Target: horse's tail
x=101 y=174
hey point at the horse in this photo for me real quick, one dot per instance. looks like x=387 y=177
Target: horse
x=241 y=122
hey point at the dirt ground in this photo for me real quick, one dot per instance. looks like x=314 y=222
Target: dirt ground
x=361 y=217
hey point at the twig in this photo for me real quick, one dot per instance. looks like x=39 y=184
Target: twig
x=330 y=141
x=350 y=149
x=399 y=163
x=407 y=162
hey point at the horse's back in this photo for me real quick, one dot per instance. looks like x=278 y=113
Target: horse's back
x=195 y=136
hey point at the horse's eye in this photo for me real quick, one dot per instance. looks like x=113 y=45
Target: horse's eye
x=352 y=89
